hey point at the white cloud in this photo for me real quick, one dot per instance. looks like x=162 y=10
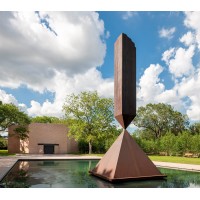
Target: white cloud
x=149 y=85
x=52 y=51
x=188 y=38
x=170 y=97
x=193 y=111
x=184 y=95
x=89 y=81
x=62 y=57
x=7 y=98
x=190 y=87
x=32 y=52
x=168 y=54
x=129 y=14
x=151 y=90
x=192 y=20
x=167 y=33
x=181 y=64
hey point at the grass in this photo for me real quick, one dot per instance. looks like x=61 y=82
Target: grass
x=173 y=159
x=176 y=159
x=5 y=153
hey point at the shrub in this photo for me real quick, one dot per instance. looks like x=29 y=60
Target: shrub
x=183 y=143
x=3 y=143
x=167 y=143
x=195 y=144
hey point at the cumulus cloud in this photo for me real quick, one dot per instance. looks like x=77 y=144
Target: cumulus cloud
x=57 y=52
x=192 y=21
x=7 y=98
x=181 y=64
x=60 y=52
x=193 y=111
x=167 y=33
x=150 y=85
x=190 y=87
x=152 y=90
x=35 y=46
x=89 y=81
x=188 y=38
x=184 y=94
x=168 y=54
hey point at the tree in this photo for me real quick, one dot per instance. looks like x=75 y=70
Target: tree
x=195 y=128
x=45 y=119
x=89 y=117
x=160 y=118
x=10 y=114
x=195 y=143
x=184 y=143
x=167 y=143
x=3 y=143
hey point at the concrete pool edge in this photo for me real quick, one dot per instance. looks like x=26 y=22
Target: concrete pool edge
x=7 y=163
x=178 y=166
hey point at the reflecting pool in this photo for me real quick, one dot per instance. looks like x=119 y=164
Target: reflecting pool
x=74 y=174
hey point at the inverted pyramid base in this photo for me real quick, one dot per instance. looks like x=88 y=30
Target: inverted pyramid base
x=156 y=177
x=125 y=161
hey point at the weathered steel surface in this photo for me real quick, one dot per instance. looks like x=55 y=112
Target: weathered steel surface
x=125 y=80
x=125 y=160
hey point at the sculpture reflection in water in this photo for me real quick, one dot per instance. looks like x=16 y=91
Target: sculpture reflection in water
x=74 y=174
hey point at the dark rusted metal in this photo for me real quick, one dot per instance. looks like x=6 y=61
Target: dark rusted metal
x=125 y=80
x=125 y=160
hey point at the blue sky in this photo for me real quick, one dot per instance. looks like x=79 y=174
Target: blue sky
x=45 y=56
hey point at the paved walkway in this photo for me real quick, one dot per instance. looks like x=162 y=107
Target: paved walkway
x=187 y=167
x=7 y=162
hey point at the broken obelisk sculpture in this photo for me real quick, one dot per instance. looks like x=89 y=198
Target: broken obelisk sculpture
x=125 y=160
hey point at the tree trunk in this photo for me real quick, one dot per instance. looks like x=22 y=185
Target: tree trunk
x=90 y=147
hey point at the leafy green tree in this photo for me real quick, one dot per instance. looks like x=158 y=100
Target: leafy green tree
x=167 y=143
x=143 y=133
x=22 y=132
x=195 y=128
x=90 y=117
x=10 y=114
x=150 y=146
x=45 y=119
x=184 y=143
x=3 y=143
x=195 y=143
x=157 y=119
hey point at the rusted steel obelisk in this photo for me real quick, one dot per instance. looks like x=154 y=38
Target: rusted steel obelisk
x=125 y=159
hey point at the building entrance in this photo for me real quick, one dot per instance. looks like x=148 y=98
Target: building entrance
x=48 y=148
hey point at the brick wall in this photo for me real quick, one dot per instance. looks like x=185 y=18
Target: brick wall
x=41 y=133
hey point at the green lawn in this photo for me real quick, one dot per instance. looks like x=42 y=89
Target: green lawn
x=173 y=159
x=5 y=153
x=176 y=159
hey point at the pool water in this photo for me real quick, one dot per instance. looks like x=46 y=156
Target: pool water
x=74 y=174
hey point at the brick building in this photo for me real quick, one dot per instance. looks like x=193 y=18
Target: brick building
x=43 y=139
